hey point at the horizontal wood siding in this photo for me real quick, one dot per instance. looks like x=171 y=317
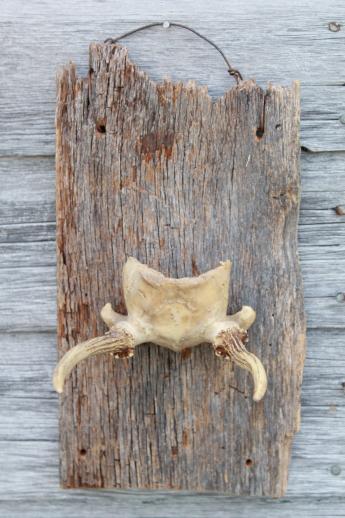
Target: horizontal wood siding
x=278 y=41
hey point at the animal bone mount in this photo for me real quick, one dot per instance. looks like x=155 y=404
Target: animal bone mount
x=162 y=172
x=176 y=314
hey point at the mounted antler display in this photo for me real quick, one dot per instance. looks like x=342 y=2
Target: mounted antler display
x=176 y=314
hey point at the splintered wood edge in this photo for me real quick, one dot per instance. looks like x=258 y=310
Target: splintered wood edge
x=190 y=85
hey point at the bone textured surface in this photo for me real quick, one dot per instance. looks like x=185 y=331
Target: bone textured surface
x=174 y=313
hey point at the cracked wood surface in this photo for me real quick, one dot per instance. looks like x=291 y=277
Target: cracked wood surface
x=36 y=38
x=163 y=173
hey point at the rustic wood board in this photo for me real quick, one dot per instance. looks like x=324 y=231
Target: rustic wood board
x=296 y=37
x=270 y=39
x=162 y=173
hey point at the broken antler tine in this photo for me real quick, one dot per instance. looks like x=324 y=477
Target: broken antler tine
x=109 y=316
x=244 y=318
x=230 y=343
x=118 y=342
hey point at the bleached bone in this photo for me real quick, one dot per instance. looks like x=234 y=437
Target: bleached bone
x=176 y=314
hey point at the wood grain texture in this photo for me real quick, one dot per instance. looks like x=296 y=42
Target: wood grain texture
x=103 y=504
x=161 y=172
x=36 y=38
x=297 y=45
x=28 y=300
x=29 y=438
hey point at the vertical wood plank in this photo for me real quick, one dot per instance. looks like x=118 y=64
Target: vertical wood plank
x=160 y=172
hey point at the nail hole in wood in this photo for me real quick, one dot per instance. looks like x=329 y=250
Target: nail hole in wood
x=340 y=297
x=259 y=133
x=249 y=463
x=339 y=210
x=335 y=469
x=278 y=126
x=82 y=452
x=100 y=126
x=334 y=26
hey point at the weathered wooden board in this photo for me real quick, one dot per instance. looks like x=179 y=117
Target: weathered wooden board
x=163 y=173
x=38 y=283
x=36 y=37
x=27 y=386
x=298 y=44
x=28 y=195
x=169 y=505
x=29 y=449
x=320 y=130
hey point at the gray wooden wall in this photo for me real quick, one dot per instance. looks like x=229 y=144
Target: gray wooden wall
x=270 y=40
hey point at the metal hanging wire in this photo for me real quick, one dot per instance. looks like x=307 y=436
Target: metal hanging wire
x=232 y=71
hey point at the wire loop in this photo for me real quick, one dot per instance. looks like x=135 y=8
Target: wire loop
x=232 y=71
